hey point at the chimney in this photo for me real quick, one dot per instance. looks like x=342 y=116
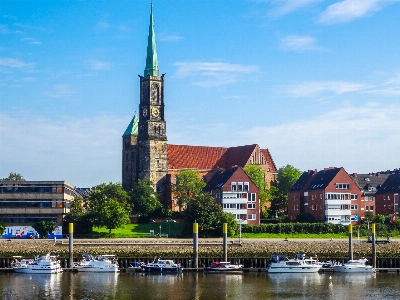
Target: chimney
x=355 y=174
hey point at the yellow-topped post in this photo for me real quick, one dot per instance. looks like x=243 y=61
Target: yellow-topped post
x=225 y=240
x=195 y=245
x=373 y=246
x=71 y=244
x=350 y=241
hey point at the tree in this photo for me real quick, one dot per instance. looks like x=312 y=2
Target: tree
x=14 y=177
x=79 y=216
x=286 y=178
x=188 y=184
x=257 y=175
x=44 y=228
x=231 y=223
x=203 y=209
x=108 y=206
x=144 y=200
x=2 y=227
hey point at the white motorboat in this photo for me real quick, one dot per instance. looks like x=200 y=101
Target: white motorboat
x=223 y=266
x=281 y=264
x=47 y=264
x=162 y=265
x=103 y=263
x=354 y=266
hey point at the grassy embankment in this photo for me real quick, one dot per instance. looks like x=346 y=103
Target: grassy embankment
x=174 y=230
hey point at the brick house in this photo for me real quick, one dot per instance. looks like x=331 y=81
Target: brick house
x=369 y=184
x=330 y=195
x=298 y=197
x=387 y=197
x=237 y=194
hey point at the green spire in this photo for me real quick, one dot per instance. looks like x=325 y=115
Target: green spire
x=132 y=128
x=151 y=58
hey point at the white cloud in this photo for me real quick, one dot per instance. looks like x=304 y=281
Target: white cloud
x=209 y=74
x=284 y=7
x=299 y=43
x=14 y=63
x=99 y=65
x=360 y=139
x=84 y=151
x=61 y=91
x=348 y=10
x=31 y=41
x=170 y=38
x=314 y=88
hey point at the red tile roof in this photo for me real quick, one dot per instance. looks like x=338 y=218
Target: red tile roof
x=207 y=158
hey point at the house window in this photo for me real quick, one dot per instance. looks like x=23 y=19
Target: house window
x=233 y=186
x=320 y=196
x=251 y=206
x=342 y=186
x=251 y=217
x=240 y=186
x=384 y=197
x=354 y=196
x=246 y=186
x=384 y=207
x=251 y=197
x=354 y=207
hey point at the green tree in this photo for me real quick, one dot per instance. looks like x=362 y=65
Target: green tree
x=231 y=223
x=257 y=175
x=306 y=218
x=203 y=209
x=14 y=177
x=108 y=206
x=2 y=227
x=188 y=184
x=44 y=228
x=379 y=219
x=144 y=200
x=79 y=216
x=286 y=178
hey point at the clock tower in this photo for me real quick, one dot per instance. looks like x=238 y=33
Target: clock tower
x=152 y=158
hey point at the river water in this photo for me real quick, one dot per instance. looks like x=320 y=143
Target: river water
x=200 y=286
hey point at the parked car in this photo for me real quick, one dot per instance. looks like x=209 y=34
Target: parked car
x=169 y=220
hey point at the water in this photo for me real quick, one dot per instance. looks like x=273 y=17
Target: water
x=250 y=286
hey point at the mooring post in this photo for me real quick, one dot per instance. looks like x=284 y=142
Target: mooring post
x=373 y=246
x=225 y=240
x=350 y=241
x=71 y=244
x=195 y=245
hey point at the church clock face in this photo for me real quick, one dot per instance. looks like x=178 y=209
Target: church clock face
x=155 y=112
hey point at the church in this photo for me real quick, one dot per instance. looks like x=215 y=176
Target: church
x=147 y=155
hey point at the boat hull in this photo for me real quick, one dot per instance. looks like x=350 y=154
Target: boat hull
x=341 y=269
x=96 y=270
x=223 y=270
x=37 y=271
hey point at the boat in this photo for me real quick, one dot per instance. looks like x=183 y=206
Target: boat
x=161 y=265
x=46 y=264
x=354 y=266
x=18 y=261
x=104 y=263
x=223 y=266
x=281 y=264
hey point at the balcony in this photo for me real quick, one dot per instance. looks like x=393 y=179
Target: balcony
x=337 y=202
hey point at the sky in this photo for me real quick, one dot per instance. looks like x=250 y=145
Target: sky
x=317 y=82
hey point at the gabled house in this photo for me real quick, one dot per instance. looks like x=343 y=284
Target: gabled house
x=237 y=194
x=210 y=161
x=298 y=197
x=387 y=197
x=369 y=184
x=330 y=195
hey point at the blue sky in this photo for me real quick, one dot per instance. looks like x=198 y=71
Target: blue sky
x=317 y=82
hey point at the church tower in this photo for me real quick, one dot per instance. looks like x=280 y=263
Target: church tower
x=150 y=142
